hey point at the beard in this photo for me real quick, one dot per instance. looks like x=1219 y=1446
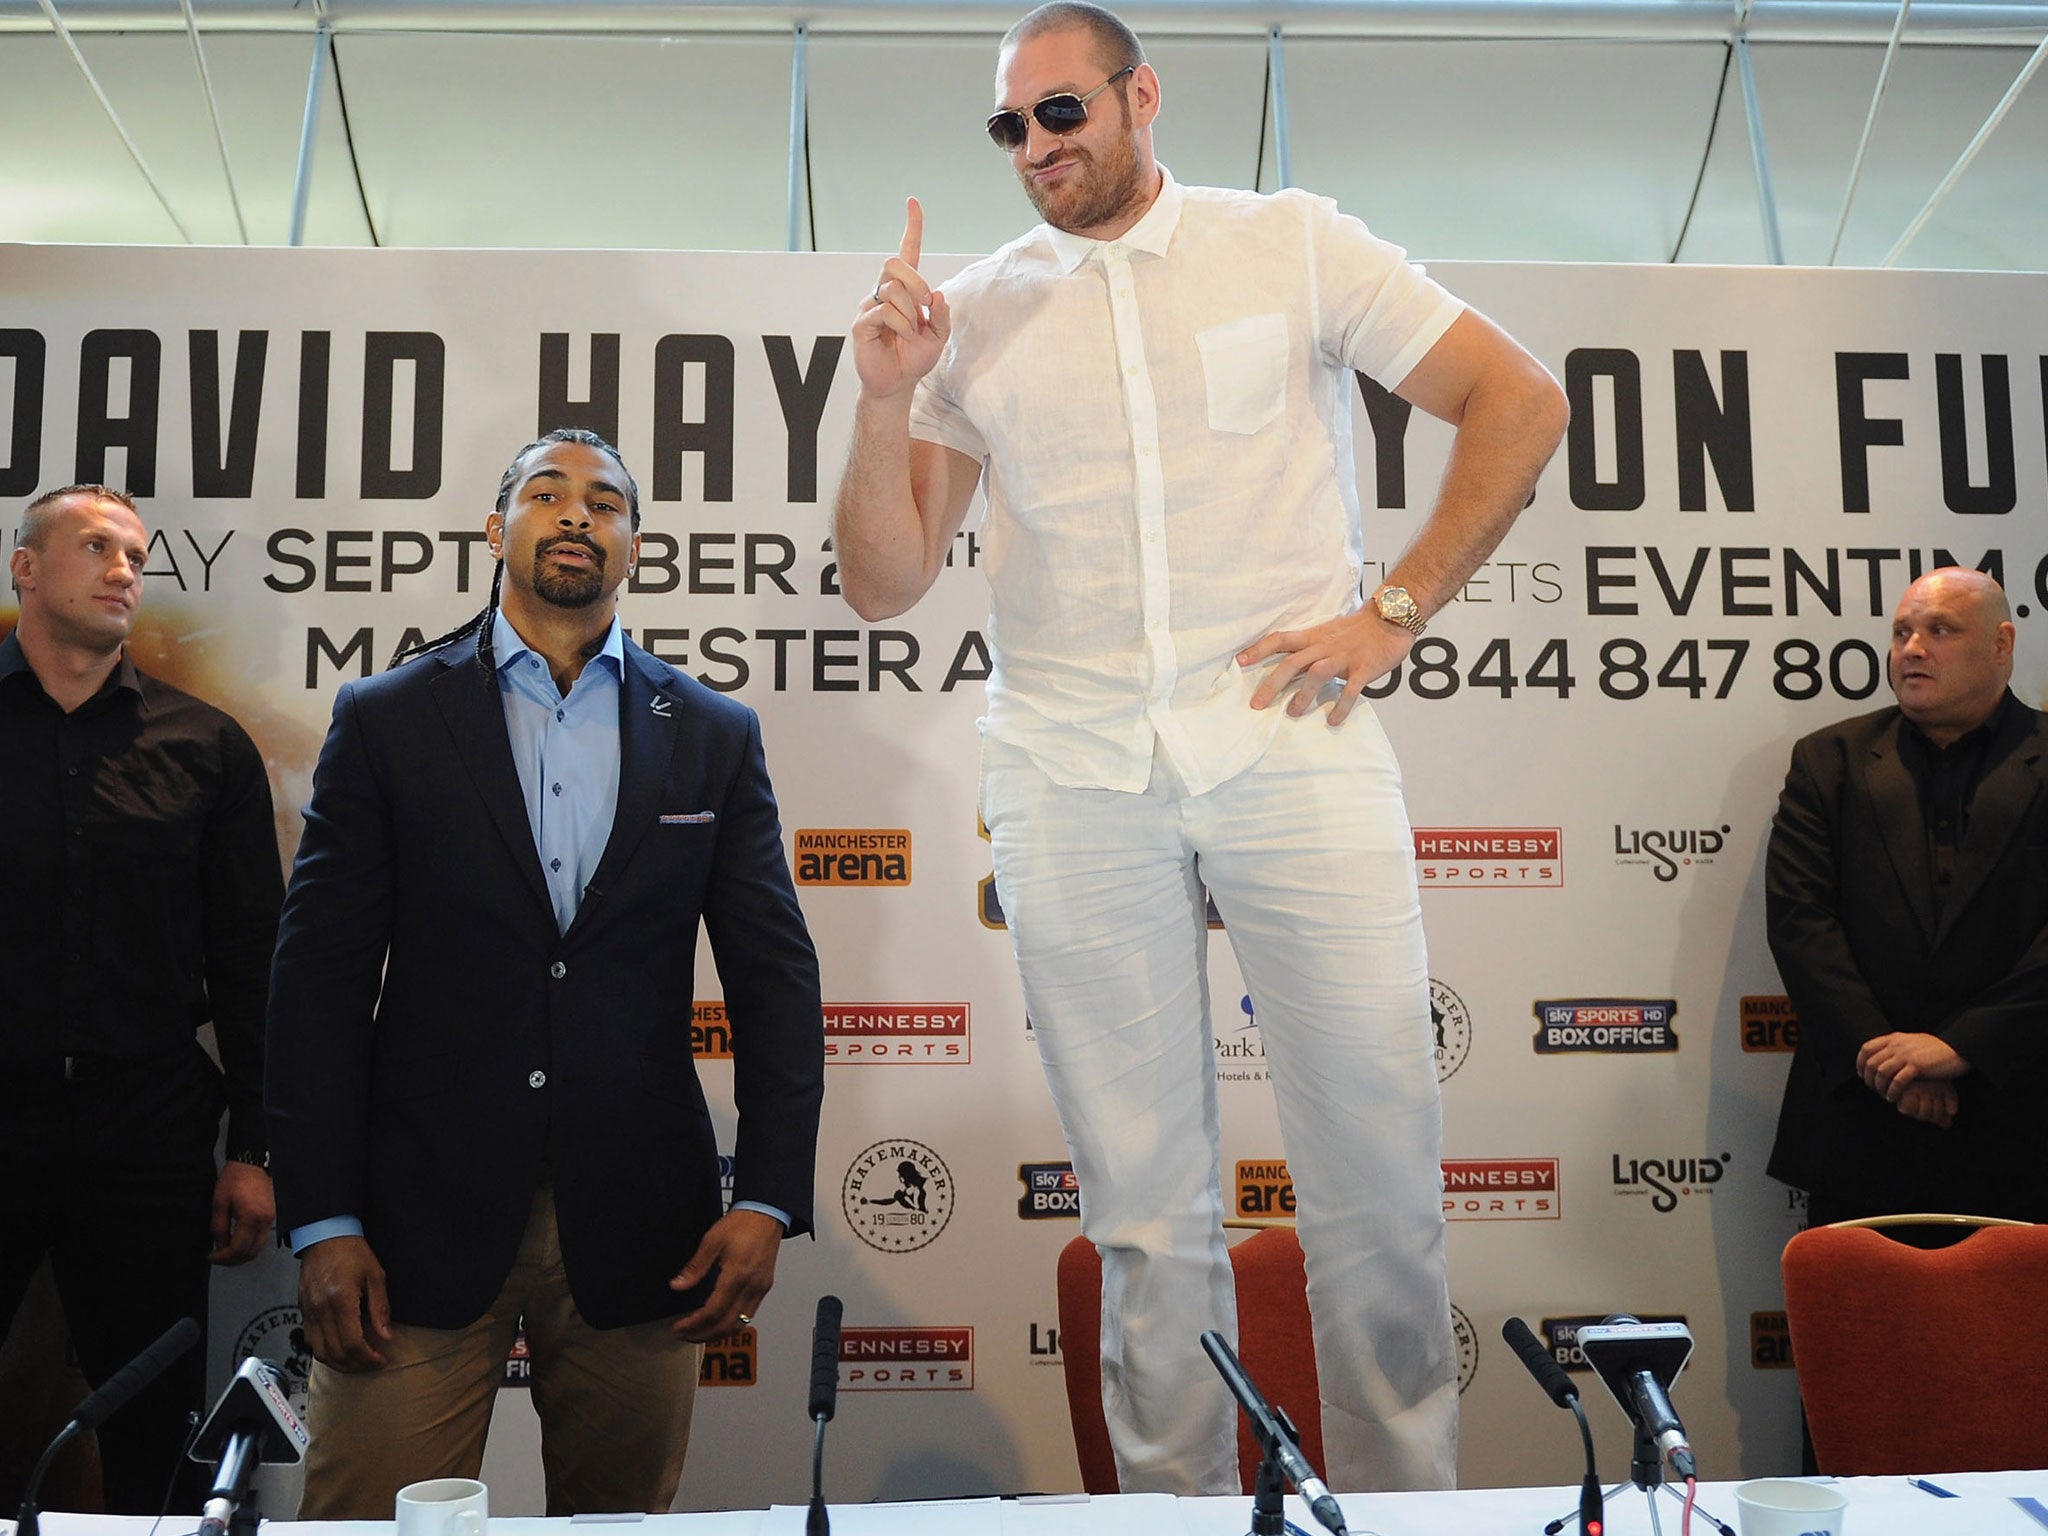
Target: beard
x=565 y=586
x=1098 y=189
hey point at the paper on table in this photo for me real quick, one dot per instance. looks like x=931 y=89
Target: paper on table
x=1134 y=1512
x=969 y=1517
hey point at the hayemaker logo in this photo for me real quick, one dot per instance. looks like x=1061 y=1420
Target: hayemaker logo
x=897 y=1196
x=1667 y=850
x=731 y=1360
x=1468 y=1348
x=1620 y=1026
x=1770 y=1342
x=710 y=1031
x=1045 y=1344
x=1452 y=1025
x=1050 y=1191
x=1264 y=1187
x=1488 y=858
x=725 y=1171
x=1769 y=1024
x=1667 y=1180
x=278 y=1334
x=1501 y=1189
x=1561 y=1334
x=906 y=1360
x=1241 y=1052
x=914 y=1034
x=852 y=856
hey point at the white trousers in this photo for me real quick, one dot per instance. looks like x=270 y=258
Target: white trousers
x=1310 y=860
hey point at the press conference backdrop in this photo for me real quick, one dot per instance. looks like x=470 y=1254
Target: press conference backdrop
x=1593 y=736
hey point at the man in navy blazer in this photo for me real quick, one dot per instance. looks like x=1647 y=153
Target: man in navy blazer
x=1907 y=900
x=481 y=1091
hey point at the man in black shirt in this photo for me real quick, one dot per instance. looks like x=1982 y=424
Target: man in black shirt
x=141 y=900
x=1907 y=900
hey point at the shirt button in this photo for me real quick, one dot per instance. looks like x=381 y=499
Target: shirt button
x=555 y=865
x=558 y=714
x=71 y=773
x=536 y=1079
x=558 y=970
x=558 y=789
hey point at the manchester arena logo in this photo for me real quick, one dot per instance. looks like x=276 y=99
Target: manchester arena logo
x=1489 y=858
x=1770 y=1342
x=898 y=1034
x=1667 y=1180
x=1050 y=1191
x=732 y=1360
x=897 y=1196
x=1666 y=850
x=1620 y=1026
x=1468 y=1348
x=1561 y=1334
x=710 y=1031
x=906 y=1360
x=1451 y=1024
x=1769 y=1025
x=1501 y=1189
x=1264 y=1187
x=852 y=856
x=278 y=1334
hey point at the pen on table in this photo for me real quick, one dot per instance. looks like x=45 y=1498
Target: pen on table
x=1926 y=1487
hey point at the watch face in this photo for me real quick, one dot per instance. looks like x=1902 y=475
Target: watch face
x=1394 y=603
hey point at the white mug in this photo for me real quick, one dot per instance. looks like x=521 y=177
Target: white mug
x=443 y=1506
x=1786 y=1506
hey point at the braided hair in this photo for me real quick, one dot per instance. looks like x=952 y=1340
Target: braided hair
x=481 y=624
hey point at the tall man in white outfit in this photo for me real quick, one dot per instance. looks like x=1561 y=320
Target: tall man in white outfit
x=1157 y=381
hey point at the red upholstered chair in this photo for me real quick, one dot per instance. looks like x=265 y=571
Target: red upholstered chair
x=1273 y=1343
x=1921 y=1360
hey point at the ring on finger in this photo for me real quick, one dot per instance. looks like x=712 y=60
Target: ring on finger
x=746 y=1319
x=878 y=289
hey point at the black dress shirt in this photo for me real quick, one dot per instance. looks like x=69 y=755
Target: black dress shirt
x=1947 y=780
x=141 y=887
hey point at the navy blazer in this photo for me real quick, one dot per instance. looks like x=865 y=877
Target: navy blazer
x=436 y=1047
x=1851 y=921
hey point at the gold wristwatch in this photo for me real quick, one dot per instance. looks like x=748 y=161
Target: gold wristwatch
x=1397 y=606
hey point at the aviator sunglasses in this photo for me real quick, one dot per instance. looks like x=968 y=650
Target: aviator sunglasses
x=1060 y=113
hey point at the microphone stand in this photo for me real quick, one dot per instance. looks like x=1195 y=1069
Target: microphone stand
x=1269 y=1488
x=1645 y=1471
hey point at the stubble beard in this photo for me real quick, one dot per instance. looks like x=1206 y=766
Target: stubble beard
x=566 y=588
x=1095 y=193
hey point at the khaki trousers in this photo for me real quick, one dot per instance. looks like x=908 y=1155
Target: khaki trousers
x=614 y=1403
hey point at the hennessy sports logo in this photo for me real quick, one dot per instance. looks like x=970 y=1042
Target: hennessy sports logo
x=1769 y=1024
x=931 y=1033
x=1501 y=1189
x=710 y=1034
x=731 y=1361
x=1561 y=1334
x=1475 y=858
x=906 y=1360
x=852 y=856
x=1621 y=1026
x=1050 y=1190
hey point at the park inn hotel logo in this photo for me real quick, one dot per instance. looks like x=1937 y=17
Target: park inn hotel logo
x=852 y=856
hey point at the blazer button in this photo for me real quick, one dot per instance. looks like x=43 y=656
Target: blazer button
x=536 y=1079
x=558 y=970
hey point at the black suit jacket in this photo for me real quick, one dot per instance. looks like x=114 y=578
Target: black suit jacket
x=1852 y=926
x=436 y=1045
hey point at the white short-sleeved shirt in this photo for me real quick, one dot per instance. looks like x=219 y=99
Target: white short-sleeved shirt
x=1164 y=427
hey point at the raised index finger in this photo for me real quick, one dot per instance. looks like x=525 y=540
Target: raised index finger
x=913 y=231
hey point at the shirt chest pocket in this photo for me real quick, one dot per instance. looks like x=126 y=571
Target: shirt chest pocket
x=1244 y=367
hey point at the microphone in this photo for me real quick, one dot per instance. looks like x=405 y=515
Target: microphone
x=112 y=1396
x=1550 y=1376
x=824 y=1399
x=1639 y=1361
x=1275 y=1436
x=252 y=1422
